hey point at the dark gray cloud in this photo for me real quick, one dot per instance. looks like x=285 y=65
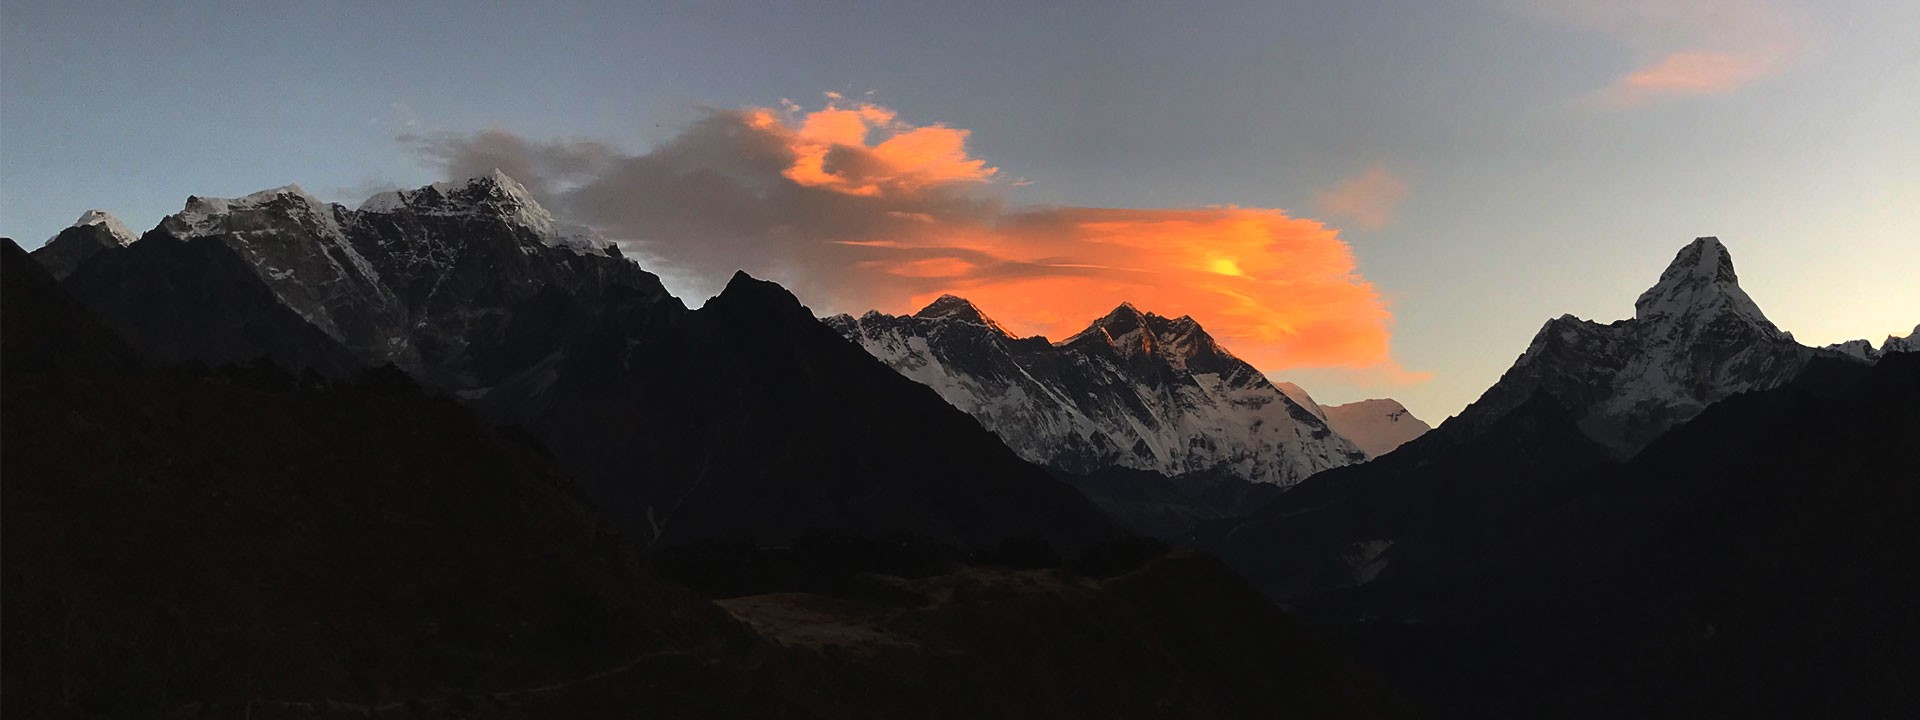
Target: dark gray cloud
x=854 y=210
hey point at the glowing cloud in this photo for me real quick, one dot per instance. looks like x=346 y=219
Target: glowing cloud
x=1709 y=47
x=1368 y=199
x=855 y=210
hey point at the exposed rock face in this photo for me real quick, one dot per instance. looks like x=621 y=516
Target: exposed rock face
x=1133 y=390
x=1695 y=339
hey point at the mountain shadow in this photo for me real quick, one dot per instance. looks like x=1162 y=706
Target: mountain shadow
x=746 y=419
x=244 y=542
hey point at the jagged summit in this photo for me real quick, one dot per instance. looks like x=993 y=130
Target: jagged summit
x=492 y=188
x=1864 y=349
x=1699 y=287
x=96 y=232
x=491 y=195
x=117 y=230
x=1134 y=390
x=1123 y=329
x=1857 y=349
x=1120 y=321
x=1695 y=339
x=954 y=307
x=210 y=215
x=428 y=279
x=744 y=290
x=1910 y=343
x=1131 y=332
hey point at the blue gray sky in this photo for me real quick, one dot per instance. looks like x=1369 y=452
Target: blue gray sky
x=1490 y=164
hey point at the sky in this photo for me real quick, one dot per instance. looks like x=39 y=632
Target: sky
x=1371 y=199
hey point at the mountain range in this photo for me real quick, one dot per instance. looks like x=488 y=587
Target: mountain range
x=243 y=542
x=445 y=453
x=1657 y=517
x=746 y=418
x=1134 y=390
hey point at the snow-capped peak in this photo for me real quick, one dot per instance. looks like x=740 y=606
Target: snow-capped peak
x=495 y=194
x=1864 y=349
x=1133 y=390
x=1377 y=426
x=1131 y=332
x=494 y=187
x=954 y=307
x=1910 y=343
x=108 y=222
x=208 y=215
x=1698 y=287
x=1857 y=349
x=1112 y=327
x=1695 y=339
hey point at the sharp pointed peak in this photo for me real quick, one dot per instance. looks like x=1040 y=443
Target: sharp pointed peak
x=953 y=307
x=947 y=304
x=1705 y=259
x=1700 y=281
x=106 y=221
x=509 y=188
x=1123 y=319
x=499 y=177
x=744 y=290
x=1128 y=329
x=95 y=217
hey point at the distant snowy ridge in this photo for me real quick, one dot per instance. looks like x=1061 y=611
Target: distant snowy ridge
x=1865 y=350
x=1377 y=426
x=1132 y=390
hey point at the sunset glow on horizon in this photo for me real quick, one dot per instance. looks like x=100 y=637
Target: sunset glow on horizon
x=1350 y=195
x=857 y=209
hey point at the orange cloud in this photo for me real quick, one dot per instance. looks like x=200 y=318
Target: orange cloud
x=1278 y=291
x=1705 y=47
x=1367 y=199
x=855 y=210
x=830 y=151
